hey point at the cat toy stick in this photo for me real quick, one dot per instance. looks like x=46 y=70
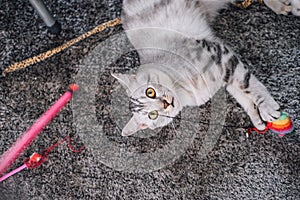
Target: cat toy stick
x=24 y=141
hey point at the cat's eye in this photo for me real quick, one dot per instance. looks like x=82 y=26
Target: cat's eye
x=150 y=92
x=153 y=115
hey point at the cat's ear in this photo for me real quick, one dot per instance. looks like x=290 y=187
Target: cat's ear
x=125 y=80
x=133 y=126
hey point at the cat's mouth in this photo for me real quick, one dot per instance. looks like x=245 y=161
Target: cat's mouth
x=167 y=104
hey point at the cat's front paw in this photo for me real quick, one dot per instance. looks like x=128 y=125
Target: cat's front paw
x=266 y=111
x=269 y=110
x=280 y=6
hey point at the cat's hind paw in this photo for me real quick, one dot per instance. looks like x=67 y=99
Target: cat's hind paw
x=295 y=7
x=279 y=6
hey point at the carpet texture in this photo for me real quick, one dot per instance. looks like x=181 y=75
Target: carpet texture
x=234 y=167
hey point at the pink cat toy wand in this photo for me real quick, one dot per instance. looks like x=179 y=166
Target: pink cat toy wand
x=24 y=141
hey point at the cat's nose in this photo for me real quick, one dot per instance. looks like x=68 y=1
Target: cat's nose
x=167 y=104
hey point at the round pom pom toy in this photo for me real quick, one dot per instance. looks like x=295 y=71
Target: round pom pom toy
x=282 y=126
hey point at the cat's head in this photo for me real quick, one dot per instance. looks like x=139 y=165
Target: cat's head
x=152 y=103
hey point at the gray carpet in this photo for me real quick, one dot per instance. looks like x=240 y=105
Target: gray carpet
x=234 y=167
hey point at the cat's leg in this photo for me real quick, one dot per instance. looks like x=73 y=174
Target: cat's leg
x=243 y=85
x=249 y=92
x=248 y=106
x=253 y=96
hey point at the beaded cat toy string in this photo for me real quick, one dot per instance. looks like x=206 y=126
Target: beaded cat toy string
x=43 y=56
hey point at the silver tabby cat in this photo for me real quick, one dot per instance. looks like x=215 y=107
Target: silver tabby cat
x=184 y=64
